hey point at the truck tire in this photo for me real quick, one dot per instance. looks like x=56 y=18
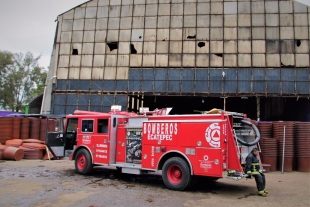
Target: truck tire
x=83 y=163
x=176 y=174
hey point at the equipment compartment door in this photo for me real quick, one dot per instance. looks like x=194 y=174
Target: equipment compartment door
x=101 y=142
x=133 y=145
x=209 y=162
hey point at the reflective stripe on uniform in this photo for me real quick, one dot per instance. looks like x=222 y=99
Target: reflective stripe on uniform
x=261 y=191
x=255 y=168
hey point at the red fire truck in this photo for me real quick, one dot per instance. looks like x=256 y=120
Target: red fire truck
x=182 y=146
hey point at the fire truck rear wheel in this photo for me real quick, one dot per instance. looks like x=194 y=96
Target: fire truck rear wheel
x=176 y=174
x=83 y=163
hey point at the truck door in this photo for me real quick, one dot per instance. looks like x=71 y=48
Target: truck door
x=101 y=145
x=70 y=136
x=55 y=136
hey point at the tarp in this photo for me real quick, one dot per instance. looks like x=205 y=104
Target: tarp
x=7 y=113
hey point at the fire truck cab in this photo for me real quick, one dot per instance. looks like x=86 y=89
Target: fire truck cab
x=181 y=146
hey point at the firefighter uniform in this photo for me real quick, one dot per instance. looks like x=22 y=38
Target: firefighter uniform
x=252 y=168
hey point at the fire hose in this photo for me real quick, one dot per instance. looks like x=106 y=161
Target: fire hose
x=256 y=133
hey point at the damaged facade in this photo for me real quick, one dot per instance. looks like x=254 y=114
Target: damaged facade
x=154 y=53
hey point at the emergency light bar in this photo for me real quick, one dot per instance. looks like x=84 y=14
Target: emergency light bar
x=116 y=108
x=143 y=110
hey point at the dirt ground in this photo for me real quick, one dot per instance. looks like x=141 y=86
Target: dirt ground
x=38 y=183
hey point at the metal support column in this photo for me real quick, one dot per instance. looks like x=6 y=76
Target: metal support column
x=258 y=108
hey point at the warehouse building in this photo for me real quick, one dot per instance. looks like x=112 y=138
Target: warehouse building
x=249 y=56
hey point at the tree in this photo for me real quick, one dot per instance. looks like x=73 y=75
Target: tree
x=24 y=79
x=5 y=62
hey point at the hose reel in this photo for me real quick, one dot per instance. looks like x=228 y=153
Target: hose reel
x=246 y=122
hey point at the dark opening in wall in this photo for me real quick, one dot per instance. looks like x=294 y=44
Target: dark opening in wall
x=219 y=54
x=201 y=44
x=75 y=52
x=191 y=37
x=140 y=37
x=286 y=66
x=132 y=49
x=298 y=43
x=113 y=45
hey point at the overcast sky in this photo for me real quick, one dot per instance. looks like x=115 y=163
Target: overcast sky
x=29 y=25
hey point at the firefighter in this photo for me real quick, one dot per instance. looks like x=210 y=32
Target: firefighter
x=252 y=168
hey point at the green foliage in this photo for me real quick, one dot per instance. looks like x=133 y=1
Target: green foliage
x=22 y=79
x=5 y=62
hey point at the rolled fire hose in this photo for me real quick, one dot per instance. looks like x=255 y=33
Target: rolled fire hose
x=256 y=132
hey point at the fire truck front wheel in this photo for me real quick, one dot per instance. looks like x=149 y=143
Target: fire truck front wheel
x=176 y=174
x=83 y=164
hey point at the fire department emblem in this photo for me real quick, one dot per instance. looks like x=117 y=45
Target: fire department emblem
x=213 y=135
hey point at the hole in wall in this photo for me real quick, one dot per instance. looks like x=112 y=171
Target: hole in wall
x=132 y=49
x=191 y=37
x=298 y=43
x=140 y=37
x=113 y=45
x=219 y=54
x=201 y=44
x=286 y=66
x=75 y=52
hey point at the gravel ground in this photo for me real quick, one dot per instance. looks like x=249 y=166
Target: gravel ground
x=38 y=183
